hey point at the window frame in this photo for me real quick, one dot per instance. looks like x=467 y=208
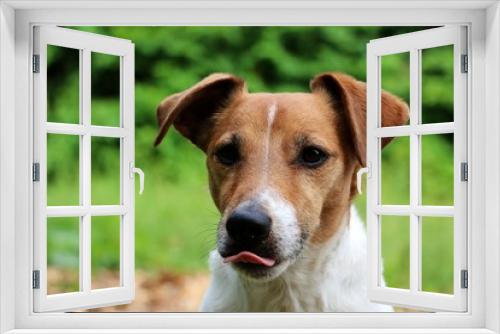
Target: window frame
x=18 y=17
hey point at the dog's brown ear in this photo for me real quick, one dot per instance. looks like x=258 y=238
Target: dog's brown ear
x=192 y=111
x=348 y=96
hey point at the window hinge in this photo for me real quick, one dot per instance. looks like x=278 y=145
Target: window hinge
x=465 y=64
x=36 y=63
x=464 y=171
x=36 y=279
x=464 y=279
x=36 y=172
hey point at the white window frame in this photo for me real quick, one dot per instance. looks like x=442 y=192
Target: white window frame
x=413 y=44
x=86 y=44
x=17 y=20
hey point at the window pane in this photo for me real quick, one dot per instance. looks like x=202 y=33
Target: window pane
x=437 y=254
x=63 y=178
x=395 y=75
x=437 y=169
x=105 y=171
x=105 y=252
x=63 y=254
x=437 y=84
x=395 y=172
x=105 y=89
x=63 y=84
x=395 y=252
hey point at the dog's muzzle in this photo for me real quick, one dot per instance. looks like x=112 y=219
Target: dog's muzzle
x=260 y=237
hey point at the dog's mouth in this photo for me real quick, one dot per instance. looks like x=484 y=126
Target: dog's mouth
x=249 y=257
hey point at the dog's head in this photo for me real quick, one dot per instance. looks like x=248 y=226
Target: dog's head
x=281 y=166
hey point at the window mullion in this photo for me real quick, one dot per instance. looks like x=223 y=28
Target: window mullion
x=415 y=175
x=85 y=171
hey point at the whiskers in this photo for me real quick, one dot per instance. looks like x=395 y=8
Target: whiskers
x=207 y=233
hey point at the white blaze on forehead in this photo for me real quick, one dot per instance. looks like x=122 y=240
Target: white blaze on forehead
x=271 y=115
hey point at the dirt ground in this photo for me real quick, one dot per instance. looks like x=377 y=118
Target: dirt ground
x=164 y=292
x=158 y=292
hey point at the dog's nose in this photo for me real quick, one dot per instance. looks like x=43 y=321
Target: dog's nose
x=248 y=225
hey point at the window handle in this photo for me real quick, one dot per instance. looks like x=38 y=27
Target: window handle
x=138 y=171
x=359 y=175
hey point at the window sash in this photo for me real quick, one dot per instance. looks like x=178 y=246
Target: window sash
x=414 y=43
x=86 y=43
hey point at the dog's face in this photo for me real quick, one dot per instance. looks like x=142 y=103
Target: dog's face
x=281 y=166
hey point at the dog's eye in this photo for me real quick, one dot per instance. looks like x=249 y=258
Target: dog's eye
x=311 y=156
x=228 y=154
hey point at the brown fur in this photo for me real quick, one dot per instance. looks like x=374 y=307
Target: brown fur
x=333 y=116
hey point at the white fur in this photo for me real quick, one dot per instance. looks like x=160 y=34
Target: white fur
x=327 y=278
x=285 y=228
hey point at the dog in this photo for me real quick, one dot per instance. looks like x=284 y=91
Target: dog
x=282 y=172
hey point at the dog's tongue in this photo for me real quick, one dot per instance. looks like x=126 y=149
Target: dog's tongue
x=249 y=257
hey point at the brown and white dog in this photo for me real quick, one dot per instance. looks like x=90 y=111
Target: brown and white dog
x=282 y=170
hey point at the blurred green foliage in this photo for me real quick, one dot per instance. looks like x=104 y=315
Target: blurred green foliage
x=175 y=218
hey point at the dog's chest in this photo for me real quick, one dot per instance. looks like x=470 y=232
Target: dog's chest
x=297 y=292
x=312 y=284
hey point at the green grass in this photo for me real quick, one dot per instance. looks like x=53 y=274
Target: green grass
x=437 y=254
x=395 y=238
